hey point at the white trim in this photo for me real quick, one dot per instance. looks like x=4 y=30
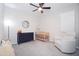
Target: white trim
x=34 y=36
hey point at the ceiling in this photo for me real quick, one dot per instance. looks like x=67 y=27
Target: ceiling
x=55 y=7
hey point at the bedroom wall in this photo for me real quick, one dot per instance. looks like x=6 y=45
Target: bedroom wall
x=51 y=21
x=77 y=24
x=68 y=21
x=17 y=17
x=1 y=20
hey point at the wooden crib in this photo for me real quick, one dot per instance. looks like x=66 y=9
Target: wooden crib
x=43 y=36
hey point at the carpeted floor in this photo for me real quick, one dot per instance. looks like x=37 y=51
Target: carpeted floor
x=38 y=48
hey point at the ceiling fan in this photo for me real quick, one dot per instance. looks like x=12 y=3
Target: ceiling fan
x=40 y=7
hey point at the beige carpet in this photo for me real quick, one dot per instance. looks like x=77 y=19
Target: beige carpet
x=37 y=48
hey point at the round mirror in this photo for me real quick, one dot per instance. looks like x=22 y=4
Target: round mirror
x=25 y=24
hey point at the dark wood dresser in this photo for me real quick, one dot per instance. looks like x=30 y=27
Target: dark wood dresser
x=25 y=37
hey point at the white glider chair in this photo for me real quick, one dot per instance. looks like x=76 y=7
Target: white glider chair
x=6 y=48
x=65 y=42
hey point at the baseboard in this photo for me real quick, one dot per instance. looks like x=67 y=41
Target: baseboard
x=77 y=47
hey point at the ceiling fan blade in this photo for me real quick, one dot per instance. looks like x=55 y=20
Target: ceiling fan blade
x=34 y=5
x=41 y=4
x=35 y=10
x=46 y=7
x=41 y=11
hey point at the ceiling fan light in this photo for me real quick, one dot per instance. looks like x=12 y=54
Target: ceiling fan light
x=40 y=9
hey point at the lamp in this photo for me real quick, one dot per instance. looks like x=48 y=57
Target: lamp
x=40 y=9
x=8 y=24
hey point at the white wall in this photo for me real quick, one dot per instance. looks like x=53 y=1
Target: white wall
x=62 y=18
x=17 y=17
x=68 y=21
x=1 y=20
x=77 y=25
x=72 y=20
x=50 y=23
